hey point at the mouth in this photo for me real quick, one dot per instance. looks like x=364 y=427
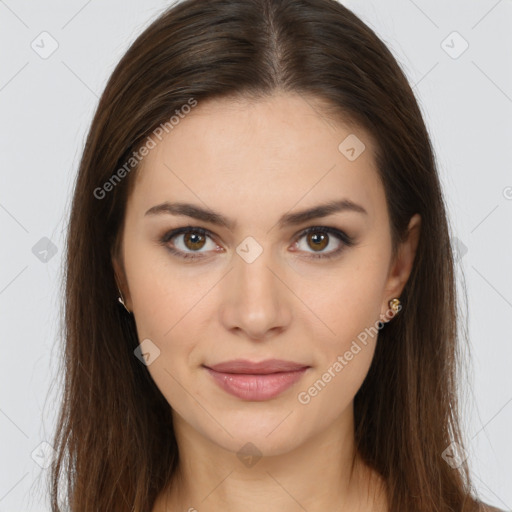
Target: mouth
x=256 y=381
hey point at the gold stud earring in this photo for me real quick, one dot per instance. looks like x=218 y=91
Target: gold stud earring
x=395 y=305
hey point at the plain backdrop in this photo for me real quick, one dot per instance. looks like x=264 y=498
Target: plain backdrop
x=56 y=58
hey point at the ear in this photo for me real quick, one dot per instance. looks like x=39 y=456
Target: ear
x=122 y=284
x=401 y=267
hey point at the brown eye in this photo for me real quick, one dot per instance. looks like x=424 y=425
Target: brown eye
x=318 y=241
x=188 y=242
x=193 y=241
x=318 y=238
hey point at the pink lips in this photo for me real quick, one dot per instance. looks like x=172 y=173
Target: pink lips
x=256 y=381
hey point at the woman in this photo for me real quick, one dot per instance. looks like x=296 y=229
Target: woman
x=260 y=293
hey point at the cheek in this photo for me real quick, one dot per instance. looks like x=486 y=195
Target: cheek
x=162 y=293
x=166 y=305
x=173 y=306
x=347 y=310
x=343 y=301
x=344 y=355
x=332 y=388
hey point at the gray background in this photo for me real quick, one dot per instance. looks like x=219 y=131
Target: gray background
x=46 y=107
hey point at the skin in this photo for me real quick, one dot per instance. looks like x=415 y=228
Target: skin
x=253 y=162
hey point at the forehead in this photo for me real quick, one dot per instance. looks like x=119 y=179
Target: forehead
x=259 y=156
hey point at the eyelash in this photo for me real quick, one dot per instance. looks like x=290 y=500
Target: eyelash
x=346 y=240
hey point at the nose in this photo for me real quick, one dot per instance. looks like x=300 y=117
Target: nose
x=255 y=298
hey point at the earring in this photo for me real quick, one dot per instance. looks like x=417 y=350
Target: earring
x=394 y=304
x=121 y=300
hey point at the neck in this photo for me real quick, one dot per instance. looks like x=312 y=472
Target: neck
x=323 y=473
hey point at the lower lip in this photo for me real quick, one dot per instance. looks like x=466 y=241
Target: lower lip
x=256 y=387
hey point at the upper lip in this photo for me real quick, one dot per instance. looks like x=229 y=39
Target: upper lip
x=262 y=367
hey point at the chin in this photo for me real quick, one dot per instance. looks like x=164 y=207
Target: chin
x=274 y=433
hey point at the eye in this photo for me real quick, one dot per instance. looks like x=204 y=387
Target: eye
x=189 y=240
x=320 y=237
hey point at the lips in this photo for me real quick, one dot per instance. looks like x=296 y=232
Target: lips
x=261 y=368
x=256 y=381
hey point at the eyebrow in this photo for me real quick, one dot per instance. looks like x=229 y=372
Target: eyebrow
x=288 y=219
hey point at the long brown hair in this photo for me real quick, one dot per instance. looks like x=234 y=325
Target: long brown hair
x=115 y=441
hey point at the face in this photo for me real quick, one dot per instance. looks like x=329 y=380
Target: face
x=250 y=282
